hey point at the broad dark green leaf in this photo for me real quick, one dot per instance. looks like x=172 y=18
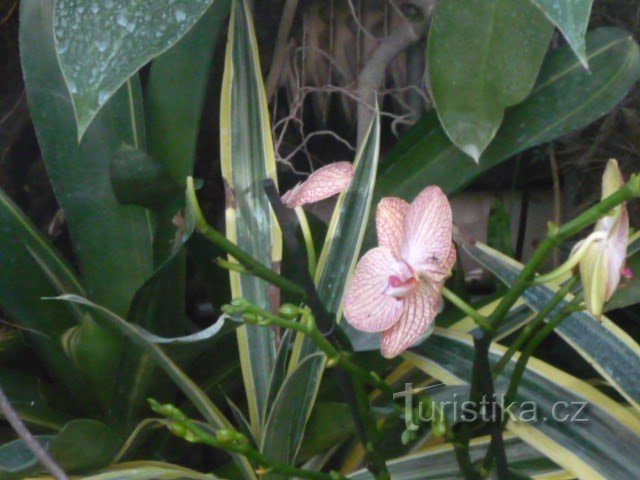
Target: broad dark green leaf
x=101 y=44
x=483 y=56
x=247 y=159
x=565 y=98
x=80 y=445
x=572 y=18
x=329 y=425
x=605 y=445
x=31 y=397
x=175 y=93
x=29 y=270
x=607 y=348
x=290 y=411
x=112 y=242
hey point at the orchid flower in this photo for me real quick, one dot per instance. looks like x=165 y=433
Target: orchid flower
x=323 y=183
x=396 y=288
x=602 y=254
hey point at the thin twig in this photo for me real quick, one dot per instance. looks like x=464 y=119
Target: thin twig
x=29 y=440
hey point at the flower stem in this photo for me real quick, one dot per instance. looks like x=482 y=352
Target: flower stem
x=234 y=443
x=479 y=319
x=555 y=236
x=534 y=326
x=252 y=266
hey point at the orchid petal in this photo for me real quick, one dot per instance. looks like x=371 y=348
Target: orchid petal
x=616 y=246
x=612 y=179
x=418 y=313
x=366 y=306
x=439 y=273
x=321 y=184
x=427 y=229
x=593 y=274
x=390 y=216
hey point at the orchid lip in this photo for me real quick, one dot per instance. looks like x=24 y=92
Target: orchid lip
x=402 y=284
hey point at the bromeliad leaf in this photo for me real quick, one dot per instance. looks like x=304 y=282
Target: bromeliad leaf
x=101 y=44
x=572 y=18
x=483 y=56
x=248 y=158
x=149 y=344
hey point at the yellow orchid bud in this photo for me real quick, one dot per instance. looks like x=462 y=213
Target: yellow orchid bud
x=602 y=262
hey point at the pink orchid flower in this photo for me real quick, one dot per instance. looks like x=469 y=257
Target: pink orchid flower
x=602 y=254
x=396 y=288
x=323 y=183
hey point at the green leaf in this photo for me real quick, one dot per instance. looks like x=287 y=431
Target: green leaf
x=439 y=462
x=80 y=445
x=329 y=425
x=30 y=396
x=572 y=18
x=483 y=56
x=31 y=269
x=248 y=158
x=149 y=344
x=604 y=345
x=565 y=98
x=149 y=471
x=289 y=413
x=112 y=242
x=605 y=446
x=175 y=93
x=101 y=44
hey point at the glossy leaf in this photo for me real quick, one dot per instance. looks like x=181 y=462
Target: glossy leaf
x=101 y=44
x=31 y=269
x=440 y=463
x=565 y=98
x=149 y=344
x=80 y=445
x=483 y=56
x=112 y=242
x=248 y=158
x=290 y=411
x=604 y=345
x=572 y=18
x=175 y=93
x=604 y=446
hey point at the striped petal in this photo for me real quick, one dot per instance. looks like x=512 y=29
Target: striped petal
x=390 y=216
x=321 y=184
x=427 y=229
x=366 y=306
x=418 y=313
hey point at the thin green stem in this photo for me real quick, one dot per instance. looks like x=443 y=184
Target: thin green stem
x=533 y=326
x=463 y=457
x=255 y=315
x=479 y=319
x=554 y=237
x=252 y=266
x=544 y=332
x=233 y=442
x=308 y=240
